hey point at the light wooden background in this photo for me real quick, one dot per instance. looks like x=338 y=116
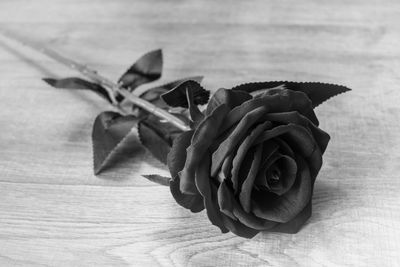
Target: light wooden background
x=55 y=212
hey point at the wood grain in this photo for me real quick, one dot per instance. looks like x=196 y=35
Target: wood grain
x=55 y=212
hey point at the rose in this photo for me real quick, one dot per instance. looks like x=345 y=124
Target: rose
x=251 y=161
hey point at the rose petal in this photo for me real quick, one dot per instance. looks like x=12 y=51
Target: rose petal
x=176 y=160
x=294 y=225
x=284 y=208
x=306 y=107
x=243 y=169
x=226 y=168
x=203 y=180
x=288 y=173
x=192 y=202
x=247 y=186
x=230 y=143
x=219 y=139
x=300 y=140
x=242 y=151
x=285 y=100
x=227 y=97
x=315 y=163
x=224 y=200
x=270 y=147
x=321 y=137
x=230 y=207
x=177 y=156
x=201 y=140
x=252 y=221
x=297 y=137
x=238 y=228
x=195 y=114
x=284 y=148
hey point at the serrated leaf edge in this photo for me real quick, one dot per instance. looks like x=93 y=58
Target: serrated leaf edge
x=346 y=89
x=112 y=152
x=195 y=94
x=141 y=141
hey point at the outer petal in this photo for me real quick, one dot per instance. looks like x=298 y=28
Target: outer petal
x=282 y=101
x=321 y=137
x=301 y=140
x=293 y=226
x=299 y=101
x=230 y=143
x=203 y=183
x=230 y=207
x=226 y=168
x=192 y=202
x=201 y=140
x=315 y=163
x=284 y=208
x=238 y=228
x=228 y=97
x=195 y=114
x=176 y=160
x=224 y=200
x=177 y=156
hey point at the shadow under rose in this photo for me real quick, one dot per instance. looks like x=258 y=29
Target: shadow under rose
x=326 y=199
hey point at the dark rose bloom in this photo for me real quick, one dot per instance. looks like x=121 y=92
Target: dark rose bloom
x=251 y=161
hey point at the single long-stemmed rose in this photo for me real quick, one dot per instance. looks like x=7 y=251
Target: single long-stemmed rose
x=250 y=158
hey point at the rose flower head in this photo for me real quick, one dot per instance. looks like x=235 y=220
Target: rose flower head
x=250 y=160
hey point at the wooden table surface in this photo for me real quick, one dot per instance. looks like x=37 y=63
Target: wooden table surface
x=55 y=212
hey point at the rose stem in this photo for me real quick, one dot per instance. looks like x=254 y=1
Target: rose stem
x=110 y=86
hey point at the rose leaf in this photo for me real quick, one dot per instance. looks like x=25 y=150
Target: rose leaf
x=110 y=131
x=156 y=143
x=316 y=91
x=153 y=94
x=177 y=96
x=162 y=180
x=78 y=83
x=195 y=114
x=146 y=69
